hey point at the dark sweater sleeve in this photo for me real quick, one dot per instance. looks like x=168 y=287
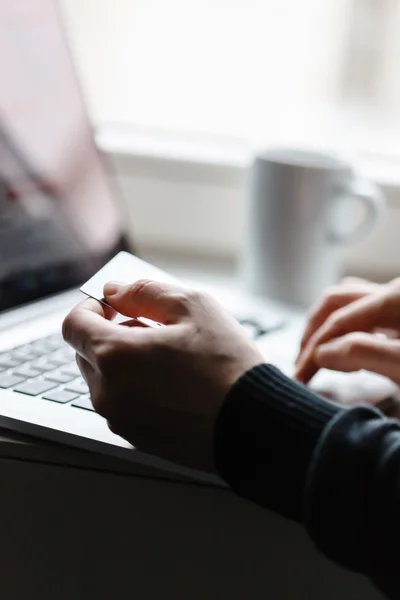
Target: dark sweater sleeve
x=335 y=470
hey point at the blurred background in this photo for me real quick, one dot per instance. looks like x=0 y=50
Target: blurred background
x=180 y=93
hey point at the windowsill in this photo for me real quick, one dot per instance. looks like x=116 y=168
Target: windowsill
x=186 y=195
x=163 y=144
x=225 y=153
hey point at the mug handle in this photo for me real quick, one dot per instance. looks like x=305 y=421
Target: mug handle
x=374 y=201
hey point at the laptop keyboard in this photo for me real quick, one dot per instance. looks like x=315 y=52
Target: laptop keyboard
x=46 y=369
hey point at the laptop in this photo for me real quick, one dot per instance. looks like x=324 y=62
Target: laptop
x=60 y=221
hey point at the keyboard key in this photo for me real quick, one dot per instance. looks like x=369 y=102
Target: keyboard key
x=59 y=360
x=42 y=365
x=40 y=347
x=34 y=388
x=55 y=344
x=8 y=381
x=59 y=377
x=71 y=369
x=48 y=344
x=68 y=351
x=7 y=361
x=27 y=349
x=78 y=386
x=60 y=396
x=26 y=372
x=55 y=337
x=85 y=403
x=25 y=354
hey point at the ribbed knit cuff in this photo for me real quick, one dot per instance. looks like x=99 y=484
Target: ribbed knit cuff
x=349 y=491
x=265 y=435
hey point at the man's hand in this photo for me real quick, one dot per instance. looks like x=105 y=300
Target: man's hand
x=343 y=331
x=161 y=389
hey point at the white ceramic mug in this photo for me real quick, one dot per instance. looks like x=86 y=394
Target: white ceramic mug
x=291 y=250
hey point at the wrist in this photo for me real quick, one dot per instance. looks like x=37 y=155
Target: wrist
x=265 y=436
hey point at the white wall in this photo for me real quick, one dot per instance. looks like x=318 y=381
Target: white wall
x=246 y=68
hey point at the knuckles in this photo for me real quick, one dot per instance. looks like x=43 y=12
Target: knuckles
x=72 y=326
x=354 y=343
x=328 y=301
x=109 y=356
x=195 y=298
x=187 y=300
x=67 y=327
x=137 y=287
x=331 y=296
x=333 y=322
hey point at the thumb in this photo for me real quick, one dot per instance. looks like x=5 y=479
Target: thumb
x=161 y=302
x=357 y=351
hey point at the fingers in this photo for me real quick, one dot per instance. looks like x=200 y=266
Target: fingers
x=86 y=369
x=364 y=314
x=86 y=326
x=336 y=297
x=359 y=281
x=84 y=366
x=95 y=338
x=357 y=351
x=161 y=302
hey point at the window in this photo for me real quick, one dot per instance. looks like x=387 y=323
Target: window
x=323 y=71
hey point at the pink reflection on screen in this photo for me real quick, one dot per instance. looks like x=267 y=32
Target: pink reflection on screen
x=49 y=167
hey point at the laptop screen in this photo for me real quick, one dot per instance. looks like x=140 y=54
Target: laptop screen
x=59 y=221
